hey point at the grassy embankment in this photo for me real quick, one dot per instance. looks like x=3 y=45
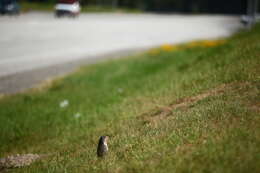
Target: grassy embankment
x=34 y=6
x=185 y=108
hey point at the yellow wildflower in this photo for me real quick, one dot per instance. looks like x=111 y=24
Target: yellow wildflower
x=205 y=43
x=168 y=47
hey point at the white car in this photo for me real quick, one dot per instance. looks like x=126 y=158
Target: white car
x=69 y=8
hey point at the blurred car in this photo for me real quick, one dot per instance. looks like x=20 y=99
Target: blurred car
x=69 y=8
x=10 y=7
x=246 y=19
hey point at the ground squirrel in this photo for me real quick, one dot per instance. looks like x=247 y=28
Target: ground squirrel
x=102 y=148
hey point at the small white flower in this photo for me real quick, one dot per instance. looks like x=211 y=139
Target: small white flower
x=77 y=115
x=64 y=103
x=120 y=90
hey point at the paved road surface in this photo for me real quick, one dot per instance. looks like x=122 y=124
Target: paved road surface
x=37 y=45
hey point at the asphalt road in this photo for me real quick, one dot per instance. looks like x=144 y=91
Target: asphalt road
x=36 y=46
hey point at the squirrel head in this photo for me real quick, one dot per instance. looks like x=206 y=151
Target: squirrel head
x=104 y=139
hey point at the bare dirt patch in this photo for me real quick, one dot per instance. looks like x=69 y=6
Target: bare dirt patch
x=18 y=161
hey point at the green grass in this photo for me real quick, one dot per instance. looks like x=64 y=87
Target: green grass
x=34 y=6
x=98 y=9
x=189 y=109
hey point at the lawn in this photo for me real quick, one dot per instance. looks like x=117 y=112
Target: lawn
x=193 y=107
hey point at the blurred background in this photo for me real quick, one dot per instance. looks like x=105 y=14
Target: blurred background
x=172 y=6
x=36 y=39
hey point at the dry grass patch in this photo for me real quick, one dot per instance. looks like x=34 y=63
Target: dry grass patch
x=184 y=103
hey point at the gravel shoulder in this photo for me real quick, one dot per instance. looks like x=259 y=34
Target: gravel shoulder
x=23 y=81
